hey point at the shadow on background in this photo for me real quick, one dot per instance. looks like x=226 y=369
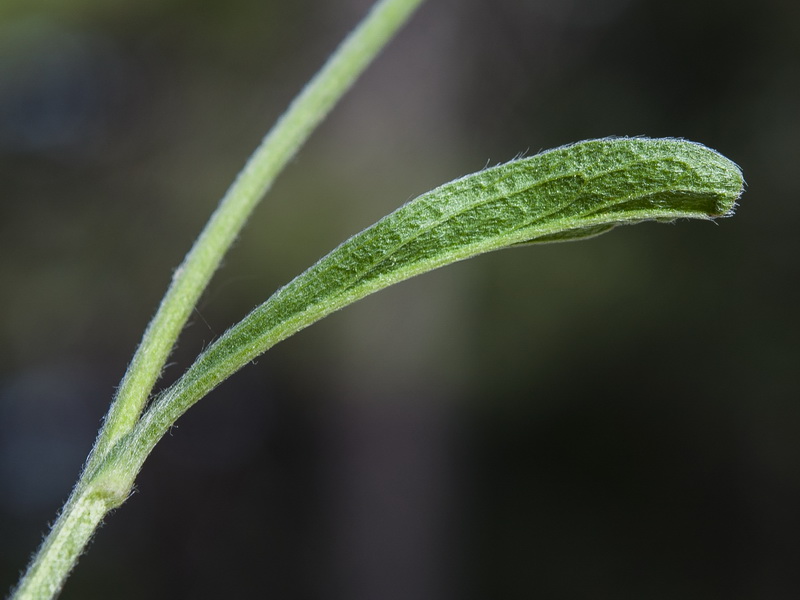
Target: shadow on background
x=616 y=418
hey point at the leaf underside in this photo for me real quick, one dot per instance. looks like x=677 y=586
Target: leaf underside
x=568 y=193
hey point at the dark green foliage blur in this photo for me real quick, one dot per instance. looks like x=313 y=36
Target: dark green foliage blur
x=614 y=418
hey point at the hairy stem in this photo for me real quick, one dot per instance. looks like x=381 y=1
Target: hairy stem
x=90 y=499
x=73 y=529
x=275 y=151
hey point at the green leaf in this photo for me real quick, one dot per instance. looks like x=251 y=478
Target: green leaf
x=569 y=193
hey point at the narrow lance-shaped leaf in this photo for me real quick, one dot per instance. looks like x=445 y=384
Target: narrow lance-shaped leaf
x=568 y=193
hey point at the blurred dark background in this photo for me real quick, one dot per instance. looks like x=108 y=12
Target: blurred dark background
x=617 y=418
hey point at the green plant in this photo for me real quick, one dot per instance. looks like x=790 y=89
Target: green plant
x=569 y=193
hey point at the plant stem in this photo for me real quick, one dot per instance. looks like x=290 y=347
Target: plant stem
x=73 y=529
x=275 y=151
x=86 y=507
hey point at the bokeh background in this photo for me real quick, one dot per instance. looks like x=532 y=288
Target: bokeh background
x=617 y=418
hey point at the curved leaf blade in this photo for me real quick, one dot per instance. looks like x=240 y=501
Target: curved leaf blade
x=568 y=193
